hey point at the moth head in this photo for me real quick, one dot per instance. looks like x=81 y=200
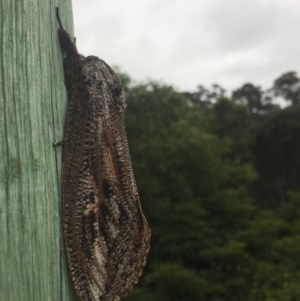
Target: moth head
x=96 y=71
x=91 y=58
x=92 y=69
x=67 y=45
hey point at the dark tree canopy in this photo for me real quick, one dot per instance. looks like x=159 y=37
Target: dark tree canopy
x=249 y=95
x=219 y=183
x=288 y=87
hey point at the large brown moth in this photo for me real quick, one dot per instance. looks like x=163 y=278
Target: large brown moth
x=105 y=232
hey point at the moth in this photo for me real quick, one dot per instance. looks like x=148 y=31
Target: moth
x=106 y=235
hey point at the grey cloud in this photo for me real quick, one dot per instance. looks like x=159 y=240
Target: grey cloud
x=193 y=42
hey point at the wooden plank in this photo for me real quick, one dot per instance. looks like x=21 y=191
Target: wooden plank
x=32 y=114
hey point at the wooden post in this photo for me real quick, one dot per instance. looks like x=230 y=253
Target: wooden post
x=33 y=105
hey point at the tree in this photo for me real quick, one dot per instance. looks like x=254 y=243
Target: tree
x=231 y=123
x=276 y=151
x=258 y=102
x=194 y=168
x=288 y=86
x=205 y=97
x=194 y=202
x=249 y=95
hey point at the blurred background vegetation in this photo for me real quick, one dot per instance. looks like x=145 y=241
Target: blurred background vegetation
x=219 y=181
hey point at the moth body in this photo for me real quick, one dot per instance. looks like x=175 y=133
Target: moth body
x=106 y=235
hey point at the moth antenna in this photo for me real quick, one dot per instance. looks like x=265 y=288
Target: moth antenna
x=74 y=41
x=65 y=40
x=58 y=17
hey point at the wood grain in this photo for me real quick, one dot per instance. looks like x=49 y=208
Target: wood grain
x=32 y=112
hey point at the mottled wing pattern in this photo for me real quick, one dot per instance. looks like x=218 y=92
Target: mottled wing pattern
x=106 y=234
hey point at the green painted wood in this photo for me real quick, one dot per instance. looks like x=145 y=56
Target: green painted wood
x=32 y=114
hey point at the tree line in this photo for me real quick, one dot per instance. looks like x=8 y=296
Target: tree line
x=219 y=181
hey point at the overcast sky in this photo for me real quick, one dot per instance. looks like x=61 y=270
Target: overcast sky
x=190 y=42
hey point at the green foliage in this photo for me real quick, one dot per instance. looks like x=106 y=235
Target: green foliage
x=276 y=150
x=277 y=273
x=231 y=123
x=203 y=173
x=288 y=86
x=249 y=95
x=171 y=281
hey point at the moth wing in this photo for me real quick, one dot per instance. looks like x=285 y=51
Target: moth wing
x=107 y=236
